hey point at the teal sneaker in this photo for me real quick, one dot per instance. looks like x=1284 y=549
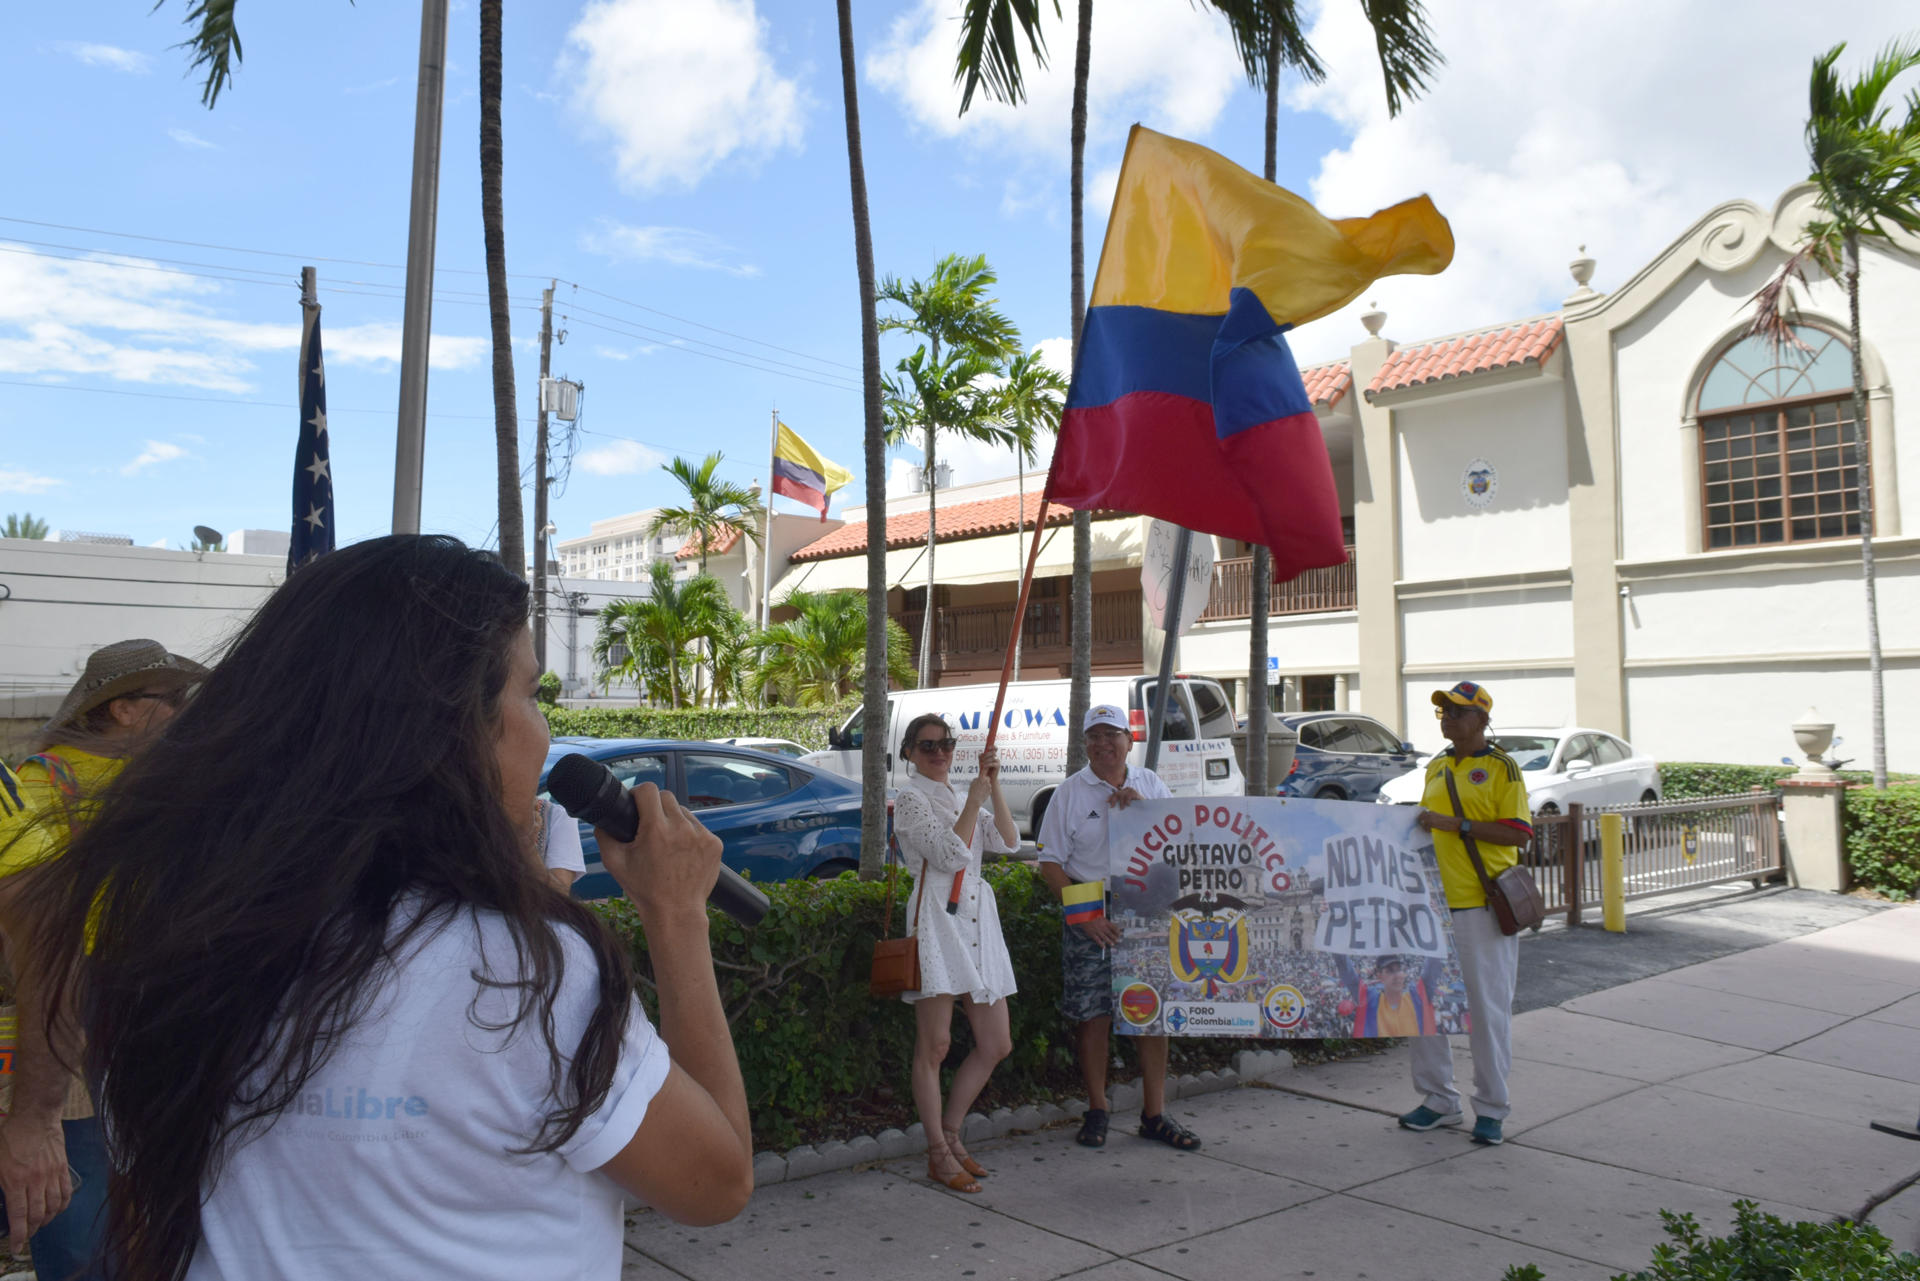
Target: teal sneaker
x=1425 y=1118
x=1486 y=1131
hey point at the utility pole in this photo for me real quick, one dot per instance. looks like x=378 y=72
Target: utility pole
x=410 y=440
x=540 y=485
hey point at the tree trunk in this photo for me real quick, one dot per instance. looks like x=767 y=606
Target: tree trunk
x=873 y=755
x=506 y=422
x=1863 y=462
x=1019 y=553
x=1262 y=568
x=1080 y=689
x=926 y=614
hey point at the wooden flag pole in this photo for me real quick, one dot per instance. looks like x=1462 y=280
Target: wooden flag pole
x=1006 y=666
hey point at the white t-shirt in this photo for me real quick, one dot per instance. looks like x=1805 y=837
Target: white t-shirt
x=1074 y=831
x=560 y=845
x=396 y=1161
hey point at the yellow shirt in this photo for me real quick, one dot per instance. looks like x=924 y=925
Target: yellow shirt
x=40 y=830
x=1397 y=1020
x=1491 y=791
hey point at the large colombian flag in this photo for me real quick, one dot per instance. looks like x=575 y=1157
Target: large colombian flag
x=1186 y=403
x=802 y=474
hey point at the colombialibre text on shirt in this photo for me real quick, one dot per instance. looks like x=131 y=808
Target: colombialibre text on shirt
x=1186 y=402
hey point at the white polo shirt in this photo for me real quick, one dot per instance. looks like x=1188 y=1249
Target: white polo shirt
x=1074 y=831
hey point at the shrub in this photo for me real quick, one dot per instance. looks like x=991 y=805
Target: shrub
x=1764 y=1248
x=549 y=692
x=1883 y=839
x=807 y=728
x=1684 y=780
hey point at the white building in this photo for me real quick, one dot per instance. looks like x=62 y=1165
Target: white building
x=618 y=548
x=1618 y=514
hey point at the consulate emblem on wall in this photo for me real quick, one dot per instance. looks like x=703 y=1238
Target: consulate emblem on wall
x=1479 y=483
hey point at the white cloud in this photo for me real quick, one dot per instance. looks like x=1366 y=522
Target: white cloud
x=157 y=451
x=108 y=56
x=1171 y=66
x=1589 y=129
x=675 y=246
x=26 y=482
x=680 y=86
x=119 y=318
x=619 y=458
x=1056 y=354
x=188 y=138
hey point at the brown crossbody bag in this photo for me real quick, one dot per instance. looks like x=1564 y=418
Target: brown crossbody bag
x=896 y=962
x=1512 y=896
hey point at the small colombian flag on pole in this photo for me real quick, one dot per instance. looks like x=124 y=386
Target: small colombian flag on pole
x=802 y=474
x=1084 y=902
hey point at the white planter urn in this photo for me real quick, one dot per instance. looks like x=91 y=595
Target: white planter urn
x=1814 y=737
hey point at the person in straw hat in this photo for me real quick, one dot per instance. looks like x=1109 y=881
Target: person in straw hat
x=53 y=1166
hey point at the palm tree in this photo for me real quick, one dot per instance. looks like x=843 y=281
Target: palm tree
x=1868 y=175
x=24 y=525
x=949 y=394
x=713 y=507
x=990 y=35
x=950 y=307
x=873 y=718
x=647 y=640
x=731 y=639
x=1030 y=398
x=506 y=417
x=819 y=657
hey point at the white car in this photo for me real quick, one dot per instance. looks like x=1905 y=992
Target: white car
x=777 y=746
x=1561 y=767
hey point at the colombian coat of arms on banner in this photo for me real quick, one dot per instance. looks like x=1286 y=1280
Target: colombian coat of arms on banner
x=1276 y=917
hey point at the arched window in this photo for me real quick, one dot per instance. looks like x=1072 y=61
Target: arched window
x=1777 y=443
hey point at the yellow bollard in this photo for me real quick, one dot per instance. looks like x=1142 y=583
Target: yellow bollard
x=1613 y=872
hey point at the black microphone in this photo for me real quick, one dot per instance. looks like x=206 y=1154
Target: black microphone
x=588 y=790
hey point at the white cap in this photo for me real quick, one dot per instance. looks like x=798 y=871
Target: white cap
x=1106 y=714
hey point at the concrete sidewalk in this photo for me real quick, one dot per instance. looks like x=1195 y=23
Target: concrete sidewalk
x=1752 y=1074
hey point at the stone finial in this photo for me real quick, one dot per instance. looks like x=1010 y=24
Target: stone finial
x=1582 y=269
x=1373 y=319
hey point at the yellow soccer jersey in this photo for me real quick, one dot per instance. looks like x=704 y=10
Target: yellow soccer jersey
x=1491 y=791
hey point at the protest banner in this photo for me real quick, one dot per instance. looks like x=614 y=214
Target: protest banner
x=1276 y=917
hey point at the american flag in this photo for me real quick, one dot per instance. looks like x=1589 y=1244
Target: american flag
x=312 y=482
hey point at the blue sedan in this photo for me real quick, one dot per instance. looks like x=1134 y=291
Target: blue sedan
x=776 y=820
x=1343 y=756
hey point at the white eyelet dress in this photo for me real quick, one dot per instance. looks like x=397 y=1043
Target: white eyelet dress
x=963 y=953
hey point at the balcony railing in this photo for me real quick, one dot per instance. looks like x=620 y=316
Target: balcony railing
x=1316 y=591
x=973 y=637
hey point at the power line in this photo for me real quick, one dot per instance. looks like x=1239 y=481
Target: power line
x=583 y=311
x=220 y=400
x=709 y=328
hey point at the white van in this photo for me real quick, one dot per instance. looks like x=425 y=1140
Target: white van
x=1196 y=754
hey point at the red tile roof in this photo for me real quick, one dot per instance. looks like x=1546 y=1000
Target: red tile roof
x=1529 y=342
x=723 y=543
x=962 y=520
x=1327 y=383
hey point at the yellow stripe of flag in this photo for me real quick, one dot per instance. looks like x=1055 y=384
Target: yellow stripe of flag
x=788 y=445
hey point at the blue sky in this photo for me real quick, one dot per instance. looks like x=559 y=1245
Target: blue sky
x=689 y=158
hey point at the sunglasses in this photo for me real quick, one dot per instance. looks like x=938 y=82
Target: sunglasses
x=934 y=745
x=1453 y=709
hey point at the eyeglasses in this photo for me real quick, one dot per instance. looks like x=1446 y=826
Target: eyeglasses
x=1453 y=709
x=1106 y=732
x=934 y=745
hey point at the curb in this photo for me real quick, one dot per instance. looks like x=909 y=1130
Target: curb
x=1250 y=1066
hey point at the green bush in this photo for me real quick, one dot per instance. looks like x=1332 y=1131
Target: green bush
x=807 y=728
x=549 y=692
x=1685 y=780
x=1883 y=839
x=1764 y=1248
x=821 y=1058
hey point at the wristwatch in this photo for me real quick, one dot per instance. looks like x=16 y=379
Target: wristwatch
x=1466 y=828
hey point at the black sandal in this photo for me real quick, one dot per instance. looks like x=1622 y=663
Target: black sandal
x=1093 y=1129
x=1170 y=1132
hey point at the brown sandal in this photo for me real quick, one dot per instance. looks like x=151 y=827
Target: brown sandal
x=967 y=1163
x=961 y=1182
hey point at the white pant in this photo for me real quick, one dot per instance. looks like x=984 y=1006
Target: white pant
x=1488 y=962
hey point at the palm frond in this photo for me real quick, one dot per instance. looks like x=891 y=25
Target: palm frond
x=215 y=44
x=1252 y=24
x=990 y=35
x=1408 y=56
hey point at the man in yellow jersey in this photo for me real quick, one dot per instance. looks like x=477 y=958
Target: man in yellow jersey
x=1494 y=813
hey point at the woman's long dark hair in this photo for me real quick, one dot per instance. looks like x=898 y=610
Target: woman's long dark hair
x=243 y=874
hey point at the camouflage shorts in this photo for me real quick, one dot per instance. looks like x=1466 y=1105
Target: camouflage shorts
x=1088 y=989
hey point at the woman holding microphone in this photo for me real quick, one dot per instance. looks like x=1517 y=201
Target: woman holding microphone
x=962 y=954
x=339 y=1022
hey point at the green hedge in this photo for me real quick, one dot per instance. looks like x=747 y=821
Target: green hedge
x=1762 y=1247
x=1883 y=839
x=1685 y=780
x=822 y=1059
x=807 y=728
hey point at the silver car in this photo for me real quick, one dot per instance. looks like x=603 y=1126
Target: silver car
x=1562 y=767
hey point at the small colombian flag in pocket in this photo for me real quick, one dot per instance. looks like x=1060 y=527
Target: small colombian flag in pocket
x=1084 y=902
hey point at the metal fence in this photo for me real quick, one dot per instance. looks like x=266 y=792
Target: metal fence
x=1670 y=846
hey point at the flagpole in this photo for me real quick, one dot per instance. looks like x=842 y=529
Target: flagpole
x=410 y=438
x=1176 y=601
x=766 y=545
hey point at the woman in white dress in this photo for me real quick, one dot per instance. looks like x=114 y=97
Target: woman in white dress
x=961 y=954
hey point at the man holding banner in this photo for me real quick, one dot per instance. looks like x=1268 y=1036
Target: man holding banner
x=1074 y=863
x=1494 y=812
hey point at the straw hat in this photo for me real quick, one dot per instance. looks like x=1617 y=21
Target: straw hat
x=122 y=668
